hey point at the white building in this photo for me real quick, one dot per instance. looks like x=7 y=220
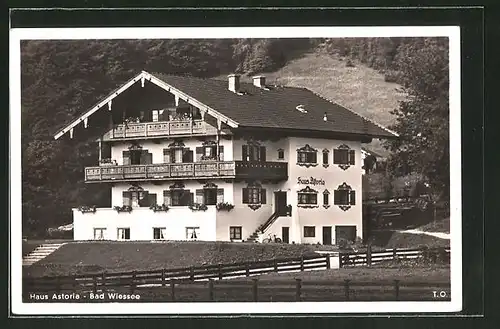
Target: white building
x=288 y=160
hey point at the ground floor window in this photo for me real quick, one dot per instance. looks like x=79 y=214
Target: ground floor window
x=99 y=233
x=159 y=233
x=124 y=234
x=235 y=232
x=192 y=233
x=309 y=231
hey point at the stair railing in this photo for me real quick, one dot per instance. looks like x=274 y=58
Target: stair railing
x=269 y=222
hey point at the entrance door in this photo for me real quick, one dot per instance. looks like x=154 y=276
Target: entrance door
x=285 y=234
x=345 y=232
x=327 y=235
x=280 y=203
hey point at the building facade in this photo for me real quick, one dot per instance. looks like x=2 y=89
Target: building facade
x=200 y=159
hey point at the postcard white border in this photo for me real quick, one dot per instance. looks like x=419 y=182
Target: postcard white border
x=20 y=308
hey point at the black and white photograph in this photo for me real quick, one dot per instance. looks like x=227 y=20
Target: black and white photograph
x=212 y=170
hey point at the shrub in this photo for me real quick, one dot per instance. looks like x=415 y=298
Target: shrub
x=392 y=76
x=224 y=206
x=349 y=63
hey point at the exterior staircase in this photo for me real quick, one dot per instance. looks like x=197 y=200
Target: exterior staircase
x=40 y=253
x=257 y=234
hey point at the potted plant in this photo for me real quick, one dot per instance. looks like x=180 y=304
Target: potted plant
x=87 y=209
x=226 y=206
x=198 y=206
x=156 y=207
x=123 y=209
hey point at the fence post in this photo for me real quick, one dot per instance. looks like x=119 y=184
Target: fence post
x=219 y=268
x=340 y=259
x=132 y=283
x=275 y=265
x=394 y=253
x=298 y=285
x=369 y=255
x=103 y=284
x=211 y=289
x=191 y=271
x=328 y=262
x=248 y=269
x=95 y=284
x=163 y=277
x=302 y=263
x=346 y=289
x=172 y=289
x=396 y=289
x=255 y=290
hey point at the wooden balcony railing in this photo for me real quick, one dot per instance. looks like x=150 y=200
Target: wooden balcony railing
x=165 y=128
x=166 y=171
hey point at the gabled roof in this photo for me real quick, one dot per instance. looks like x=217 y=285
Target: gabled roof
x=275 y=107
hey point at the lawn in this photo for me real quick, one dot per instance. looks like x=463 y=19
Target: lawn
x=392 y=239
x=91 y=257
x=440 y=225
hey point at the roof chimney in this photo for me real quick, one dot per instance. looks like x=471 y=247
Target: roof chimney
x=259 y=81
x=234 y=82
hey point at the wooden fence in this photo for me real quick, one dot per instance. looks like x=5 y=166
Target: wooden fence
x=373 y=257
x=160 y=278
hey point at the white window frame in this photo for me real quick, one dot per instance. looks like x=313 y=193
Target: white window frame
x=102 y=234
x=122 y=230
x=162 y=233
x=195 y=230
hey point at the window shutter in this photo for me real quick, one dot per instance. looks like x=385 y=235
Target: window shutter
x=352 y=157
x=336 y=156
x=191 y=198
x=325 y=158
x=352 y=197
x=146 y=157
x=336 y=197
x=262 y=153
x=199 y=153
x=126 y=198
x=143 y=199
x=244 y=152
x=314 y=157
x=251 y=153
x=187 y=156
x=167 y=198
x=166 y=156
x=325 y=199
x=263 y=196
x=199 y=196
x=245 y=195
x=221 y=153
x=126 y=157
x=152 y=199
x=220 y=195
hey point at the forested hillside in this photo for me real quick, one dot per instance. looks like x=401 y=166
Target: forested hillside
x=60 y=78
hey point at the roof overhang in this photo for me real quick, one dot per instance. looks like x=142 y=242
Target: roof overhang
x=143 y=76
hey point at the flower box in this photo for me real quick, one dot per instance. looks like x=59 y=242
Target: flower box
x=156 y=207
x=226 y=206
x=198 y=207
x=123 y=209
x=87 y=209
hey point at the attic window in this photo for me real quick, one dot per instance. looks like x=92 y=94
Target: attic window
x=301 y=108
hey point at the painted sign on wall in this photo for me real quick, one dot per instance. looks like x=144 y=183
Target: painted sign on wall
x=310 y=181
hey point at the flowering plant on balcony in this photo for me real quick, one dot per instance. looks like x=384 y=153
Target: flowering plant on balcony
x=85 y=209
x=224 y=206
x=108 y=161
x=208 y=158
x=198 y=206
x=123 y=208
x=156 y=207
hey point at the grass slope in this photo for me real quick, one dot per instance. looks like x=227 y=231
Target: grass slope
x=391 y=239
x=439 y=225
x=128 y=256
x=358 y=88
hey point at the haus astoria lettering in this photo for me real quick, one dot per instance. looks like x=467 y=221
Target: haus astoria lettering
x=310 y=181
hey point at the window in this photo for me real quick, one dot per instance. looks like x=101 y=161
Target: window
x=254 y=195
x=325 y=157
x=99 y=233
x=137 y=157
x=210 y=194
x=253 y=152
x=309 y=231
x=235 y=232
x=159 y=233
x=135 y=196
x=307 y=198
x=192 y=233
x=281 y=154
x=180 y=197
x=123 y=234
x=344 y=197
x=326 y=199
x=344 y=157
x=307 y=156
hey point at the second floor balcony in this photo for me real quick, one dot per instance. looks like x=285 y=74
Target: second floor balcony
x=160 y=128
x=196 y=170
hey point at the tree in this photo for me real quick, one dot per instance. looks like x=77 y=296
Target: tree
x=422 y=119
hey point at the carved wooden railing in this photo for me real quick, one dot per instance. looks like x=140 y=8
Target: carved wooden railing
x=165 y=128
x=238 y=169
